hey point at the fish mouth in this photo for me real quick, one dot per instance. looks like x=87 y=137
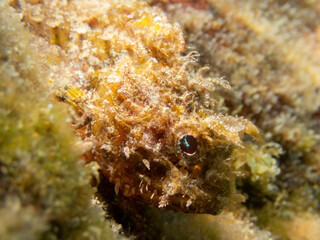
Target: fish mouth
x=168 y=182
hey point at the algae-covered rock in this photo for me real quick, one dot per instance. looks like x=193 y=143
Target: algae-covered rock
x=45 y=190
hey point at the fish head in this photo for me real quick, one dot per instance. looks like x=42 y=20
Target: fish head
x=180 y=163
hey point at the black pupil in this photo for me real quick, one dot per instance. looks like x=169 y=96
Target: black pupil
x=188 y=144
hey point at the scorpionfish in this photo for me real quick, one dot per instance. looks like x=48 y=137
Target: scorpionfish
x=143 y=102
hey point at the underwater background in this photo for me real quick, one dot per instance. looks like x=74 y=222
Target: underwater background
x=255 y=64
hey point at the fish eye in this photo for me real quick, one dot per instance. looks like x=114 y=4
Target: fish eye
x=188 y=144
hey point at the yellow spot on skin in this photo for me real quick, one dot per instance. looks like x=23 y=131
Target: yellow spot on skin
x=144 y=22
x=178 y=109
x=202 y=114
x=196 y=171
x=74 y=93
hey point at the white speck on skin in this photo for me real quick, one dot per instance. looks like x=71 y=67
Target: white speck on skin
x=126 y=152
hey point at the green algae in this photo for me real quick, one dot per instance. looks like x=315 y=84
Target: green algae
x=45 y=190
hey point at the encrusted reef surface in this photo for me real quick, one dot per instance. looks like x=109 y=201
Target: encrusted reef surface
x=166 y=97
x=45 y=188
